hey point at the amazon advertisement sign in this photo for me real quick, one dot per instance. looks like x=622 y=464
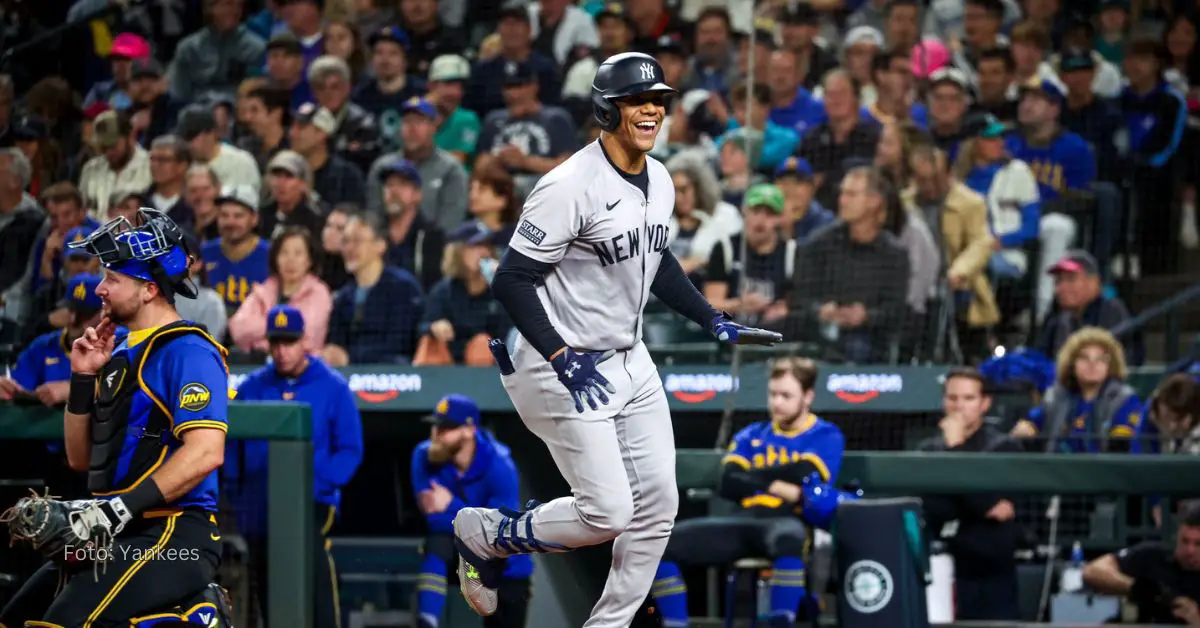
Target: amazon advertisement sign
x=705 y=388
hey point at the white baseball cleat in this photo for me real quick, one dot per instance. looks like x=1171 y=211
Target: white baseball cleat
x=479 y=574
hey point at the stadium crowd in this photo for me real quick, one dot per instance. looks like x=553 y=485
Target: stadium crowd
x=868 y=173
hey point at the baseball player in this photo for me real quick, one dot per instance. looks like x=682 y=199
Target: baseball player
x=462 y=464
x=589 y=251
x=779 y=473
x=146 y=420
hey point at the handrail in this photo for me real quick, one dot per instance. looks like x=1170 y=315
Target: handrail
x=1168 y=308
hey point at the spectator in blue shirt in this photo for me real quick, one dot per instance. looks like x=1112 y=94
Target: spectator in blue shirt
x=1064 y=164
x=1155 y=116
x=303 y=20
x=795 y=179
x=778 y=141
x=44 y=368
x=337 y=440
x=460 y=465
x=792 y=106
x=374 y=318
x=461 y=315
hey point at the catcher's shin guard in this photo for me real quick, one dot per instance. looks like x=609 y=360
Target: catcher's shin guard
x=210 y=609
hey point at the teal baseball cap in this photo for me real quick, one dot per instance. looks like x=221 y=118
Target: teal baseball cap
x=992 y=128
x=454 y=410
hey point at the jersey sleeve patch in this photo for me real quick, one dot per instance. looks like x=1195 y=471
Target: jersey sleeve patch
x=531 y=232
x=194 y=397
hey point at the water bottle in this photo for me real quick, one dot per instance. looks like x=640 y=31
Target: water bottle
x=762 y=598
x=1072 y=576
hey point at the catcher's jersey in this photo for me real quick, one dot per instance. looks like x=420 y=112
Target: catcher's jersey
x=604 y=239
x=187 y=380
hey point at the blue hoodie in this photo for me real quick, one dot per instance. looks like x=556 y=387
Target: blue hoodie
x=336 y=436
x=491 y=481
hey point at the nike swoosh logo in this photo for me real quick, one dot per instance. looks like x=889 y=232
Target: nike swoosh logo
x=611 y=205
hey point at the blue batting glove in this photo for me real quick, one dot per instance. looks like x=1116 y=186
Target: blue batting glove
x=728 y=331
x=579 y=373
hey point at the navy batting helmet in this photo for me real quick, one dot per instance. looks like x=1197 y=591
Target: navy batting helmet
x=623 y=75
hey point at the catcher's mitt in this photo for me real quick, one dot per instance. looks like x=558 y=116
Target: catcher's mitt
x=58 y=530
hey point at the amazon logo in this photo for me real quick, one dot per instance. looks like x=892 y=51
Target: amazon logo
x=383 y=387
x=860 y=388
x=692 y=388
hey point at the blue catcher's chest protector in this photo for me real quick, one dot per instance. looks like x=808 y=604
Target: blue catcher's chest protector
x=132 y=424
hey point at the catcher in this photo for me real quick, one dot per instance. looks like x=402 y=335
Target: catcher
x=146 y=419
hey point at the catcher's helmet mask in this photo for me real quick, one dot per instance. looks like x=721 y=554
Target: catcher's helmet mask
x=620 y=76
x=155 y=251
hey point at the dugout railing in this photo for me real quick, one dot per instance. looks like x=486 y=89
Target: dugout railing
x=291 y=526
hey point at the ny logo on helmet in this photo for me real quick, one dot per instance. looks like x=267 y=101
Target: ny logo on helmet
x=647 y=72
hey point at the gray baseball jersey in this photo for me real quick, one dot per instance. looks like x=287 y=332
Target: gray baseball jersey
x=604 y=239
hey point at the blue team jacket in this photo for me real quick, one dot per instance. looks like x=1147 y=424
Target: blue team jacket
x=336 y=435
x=490 y=481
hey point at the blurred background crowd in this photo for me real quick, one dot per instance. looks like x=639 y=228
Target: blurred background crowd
x=882 y=180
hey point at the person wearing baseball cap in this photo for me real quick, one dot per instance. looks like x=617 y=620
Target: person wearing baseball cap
x=232 y=165
x=461 y=454
x=389 y=85
x=315 y=135
x=239 y=258
x=44 y=367
x=1079 y=295
x=458 y=322
x=121 y=163
x=423 y=241
x=767 y=264
x=459 y=131
x=794 y=177
x=290 y=179
x=295 y=376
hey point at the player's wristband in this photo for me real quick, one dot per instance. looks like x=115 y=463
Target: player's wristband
x=143 y=497
x=81 y=395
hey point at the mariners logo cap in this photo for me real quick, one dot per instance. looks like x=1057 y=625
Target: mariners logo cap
x=81 y=294
x=454 y=410
x=78 y=234
x=285 y=322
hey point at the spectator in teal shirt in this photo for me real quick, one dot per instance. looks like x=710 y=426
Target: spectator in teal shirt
x=458 y=128
x=779 y=142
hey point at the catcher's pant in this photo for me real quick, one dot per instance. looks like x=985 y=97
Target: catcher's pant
x=155 y=564
x=327 y=611
x=620 y=463
x=513 y=595
x=751 y=533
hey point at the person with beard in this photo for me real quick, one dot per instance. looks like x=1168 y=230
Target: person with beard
x=121 y=164
x=201 y=187
x=462 y=464
x=770 y=471
x=296 y=376
x=293 y=202
x=154 y=497
x=239 y=258
x=415 y=243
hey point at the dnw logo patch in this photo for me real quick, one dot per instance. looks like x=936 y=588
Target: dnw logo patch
x=194 y=397
x=531 y=232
